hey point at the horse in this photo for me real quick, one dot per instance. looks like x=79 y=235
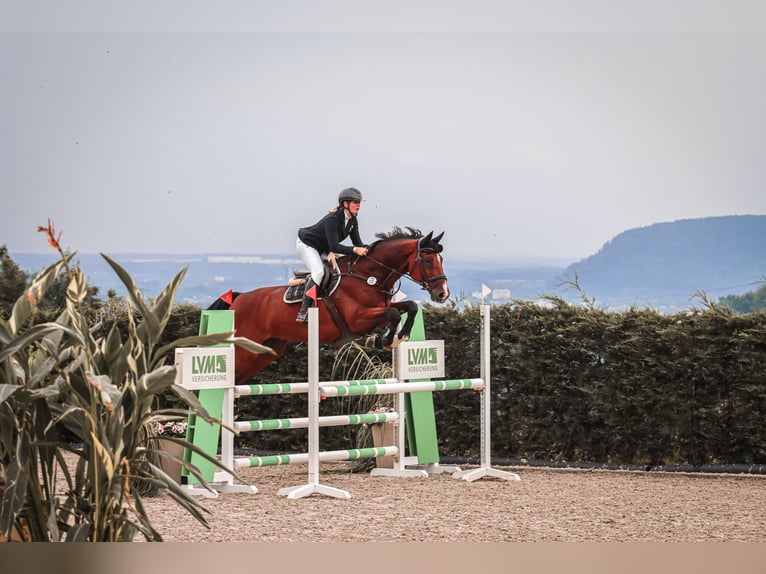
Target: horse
x=359 y=304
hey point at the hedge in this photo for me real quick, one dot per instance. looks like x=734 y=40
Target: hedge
x=573 y=383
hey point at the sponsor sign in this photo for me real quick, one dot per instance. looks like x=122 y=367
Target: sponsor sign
x=420 y=360
x=205 y=367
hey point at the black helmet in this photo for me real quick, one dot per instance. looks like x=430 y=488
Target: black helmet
x=349 y=194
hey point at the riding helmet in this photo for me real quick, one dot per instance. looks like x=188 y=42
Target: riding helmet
x=349 y=194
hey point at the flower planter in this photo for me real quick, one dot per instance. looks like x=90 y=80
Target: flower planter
x=383 y=435
x=171 y=467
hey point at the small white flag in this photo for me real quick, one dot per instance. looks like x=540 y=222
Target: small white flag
x=399 y=296
x=485 y=290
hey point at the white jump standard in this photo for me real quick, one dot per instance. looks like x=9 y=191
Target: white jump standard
x=485 y=468
x=402 y=466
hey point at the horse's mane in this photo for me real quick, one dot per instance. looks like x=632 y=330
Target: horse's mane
x=409 y=233
x=399 y=233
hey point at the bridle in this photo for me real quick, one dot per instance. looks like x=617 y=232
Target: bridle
x=425 y=284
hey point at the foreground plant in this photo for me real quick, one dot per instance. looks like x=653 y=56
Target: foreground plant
x=56 y=377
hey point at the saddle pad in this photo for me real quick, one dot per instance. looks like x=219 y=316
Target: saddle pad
x=295 y=288
x=294 y=293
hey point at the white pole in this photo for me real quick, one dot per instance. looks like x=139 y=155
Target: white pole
x=227 y=437
x=313 y=486
x=313 y=396
x=486 y=410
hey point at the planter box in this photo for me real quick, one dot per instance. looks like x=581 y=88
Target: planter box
x=383 y=435
x=171 y=467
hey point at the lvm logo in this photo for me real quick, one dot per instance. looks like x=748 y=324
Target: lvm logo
x=205 y=367
x=418 y=359
x=208 y=364
x=422 y=356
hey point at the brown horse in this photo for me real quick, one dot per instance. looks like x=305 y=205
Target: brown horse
x=360 y=304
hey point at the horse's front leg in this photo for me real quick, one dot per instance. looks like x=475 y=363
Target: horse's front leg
x=387 y=339
x=395 y=332
x=411 y=309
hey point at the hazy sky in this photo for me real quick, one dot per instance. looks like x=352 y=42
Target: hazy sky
x=538 y=142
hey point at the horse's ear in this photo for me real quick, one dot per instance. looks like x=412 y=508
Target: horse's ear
x=438 y=238
x=424 y=241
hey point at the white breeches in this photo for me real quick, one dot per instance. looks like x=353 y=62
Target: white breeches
x=312 y=259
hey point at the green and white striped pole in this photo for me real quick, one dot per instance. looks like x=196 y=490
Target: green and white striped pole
x=298 y=388
x=325 y=456
x=328 y=421
x=393 y=388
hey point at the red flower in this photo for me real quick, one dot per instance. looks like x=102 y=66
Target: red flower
x=50 y=230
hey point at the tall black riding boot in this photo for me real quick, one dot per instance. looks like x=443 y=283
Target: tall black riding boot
x=303 y=314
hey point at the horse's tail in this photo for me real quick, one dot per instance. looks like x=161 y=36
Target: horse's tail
x=223 y=303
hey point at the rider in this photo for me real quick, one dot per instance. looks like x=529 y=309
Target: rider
x=325 y=236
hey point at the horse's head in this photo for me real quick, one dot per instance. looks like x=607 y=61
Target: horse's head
x=409 y=252
x=426 y=267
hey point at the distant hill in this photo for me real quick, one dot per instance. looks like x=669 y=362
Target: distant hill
x=664 y=264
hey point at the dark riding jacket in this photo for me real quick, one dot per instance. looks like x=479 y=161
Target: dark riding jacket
x=326 y=235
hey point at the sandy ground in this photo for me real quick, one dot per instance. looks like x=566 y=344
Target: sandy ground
x=546 y=505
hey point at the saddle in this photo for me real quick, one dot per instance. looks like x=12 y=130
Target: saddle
x=296 y=286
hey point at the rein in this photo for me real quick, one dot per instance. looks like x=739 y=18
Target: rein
x=425 y=284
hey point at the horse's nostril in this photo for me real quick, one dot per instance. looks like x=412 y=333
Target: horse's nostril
x=440 y=294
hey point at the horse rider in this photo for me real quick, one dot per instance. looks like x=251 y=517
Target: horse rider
x=325 y=237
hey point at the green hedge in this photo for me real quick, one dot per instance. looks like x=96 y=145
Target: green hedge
x=572 y=383
x=635 y=387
